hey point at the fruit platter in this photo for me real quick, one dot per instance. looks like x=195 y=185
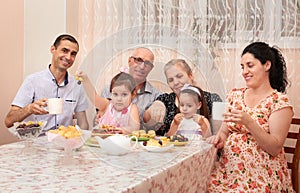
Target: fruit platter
x=178 y=140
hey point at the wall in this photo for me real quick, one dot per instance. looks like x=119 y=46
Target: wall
x=42 y=25
x=12 y=57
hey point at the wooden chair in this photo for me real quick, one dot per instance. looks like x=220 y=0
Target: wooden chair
x=295 y=151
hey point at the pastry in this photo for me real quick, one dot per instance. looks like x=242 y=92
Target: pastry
x=151 y=133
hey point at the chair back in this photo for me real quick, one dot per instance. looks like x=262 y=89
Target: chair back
x=295 y=152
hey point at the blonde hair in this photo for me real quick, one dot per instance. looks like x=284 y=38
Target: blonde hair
x=182 y=63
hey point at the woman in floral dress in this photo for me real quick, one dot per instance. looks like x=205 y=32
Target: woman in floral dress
x=255 y=127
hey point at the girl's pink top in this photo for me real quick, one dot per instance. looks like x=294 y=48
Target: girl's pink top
x=115 y=118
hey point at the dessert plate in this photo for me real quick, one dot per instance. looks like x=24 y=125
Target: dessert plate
x=89 y=142
x=157 y=148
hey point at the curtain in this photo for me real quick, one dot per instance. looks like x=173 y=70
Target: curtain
x=209 y=34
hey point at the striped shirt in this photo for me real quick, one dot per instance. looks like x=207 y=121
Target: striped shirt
x=43 y=85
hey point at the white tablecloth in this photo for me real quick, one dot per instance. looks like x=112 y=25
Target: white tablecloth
x=181 y=169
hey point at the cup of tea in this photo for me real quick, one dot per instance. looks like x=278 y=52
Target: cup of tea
x=218 y=109
x=55 y=105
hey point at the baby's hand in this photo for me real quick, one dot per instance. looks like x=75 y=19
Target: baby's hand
x=216 y=140
x=198 y=118
x=178 y=118
x=97 y=117
x=211 y=139
x=80 y=76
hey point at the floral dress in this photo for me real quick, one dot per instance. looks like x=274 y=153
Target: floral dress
x=244 y=166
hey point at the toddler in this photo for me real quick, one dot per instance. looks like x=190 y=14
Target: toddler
x=188 y=122
x=119 y=111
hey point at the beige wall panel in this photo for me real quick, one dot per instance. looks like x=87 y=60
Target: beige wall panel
x=12 y=56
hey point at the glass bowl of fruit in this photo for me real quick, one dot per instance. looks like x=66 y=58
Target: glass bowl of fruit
x=28 y=131
x=69 y=138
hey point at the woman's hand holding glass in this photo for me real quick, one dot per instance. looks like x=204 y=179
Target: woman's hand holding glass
x=237 y=116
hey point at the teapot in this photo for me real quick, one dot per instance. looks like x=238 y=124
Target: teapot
x=117 y=144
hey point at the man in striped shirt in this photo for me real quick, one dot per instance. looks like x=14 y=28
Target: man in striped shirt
x=30 y=103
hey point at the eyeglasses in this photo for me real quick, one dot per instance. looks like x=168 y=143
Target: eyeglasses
x=140 y=61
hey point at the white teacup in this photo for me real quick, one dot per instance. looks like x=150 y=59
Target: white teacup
x=218 y=109
x=55 y=105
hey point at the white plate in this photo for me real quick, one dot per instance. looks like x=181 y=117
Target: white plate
x=157 y=148
x=179 y=143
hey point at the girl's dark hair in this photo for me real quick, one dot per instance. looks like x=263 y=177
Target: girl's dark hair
x=65 y=37
x=204 y=109
x=123 y=79
x=263 y=52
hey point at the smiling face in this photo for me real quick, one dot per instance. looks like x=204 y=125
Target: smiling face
x=176 y=77
x=63 y=56
x=139 y=70
x=121 y=97
x=188 y=105
x=254 y=72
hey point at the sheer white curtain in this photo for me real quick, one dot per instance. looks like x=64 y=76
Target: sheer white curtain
x=209 y=34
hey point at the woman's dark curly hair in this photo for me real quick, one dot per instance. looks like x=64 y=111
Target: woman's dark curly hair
x=263 y=52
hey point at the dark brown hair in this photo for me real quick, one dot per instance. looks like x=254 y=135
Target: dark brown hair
x=123 y=79
x=204 y=109
x=65 y=37
x=278 y=71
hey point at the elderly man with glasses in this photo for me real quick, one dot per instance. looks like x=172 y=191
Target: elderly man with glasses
x=140 y=64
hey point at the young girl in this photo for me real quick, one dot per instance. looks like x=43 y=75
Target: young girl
x=188 y=122
x=118 y=112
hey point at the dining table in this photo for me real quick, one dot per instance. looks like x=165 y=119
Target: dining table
x=90 y=169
